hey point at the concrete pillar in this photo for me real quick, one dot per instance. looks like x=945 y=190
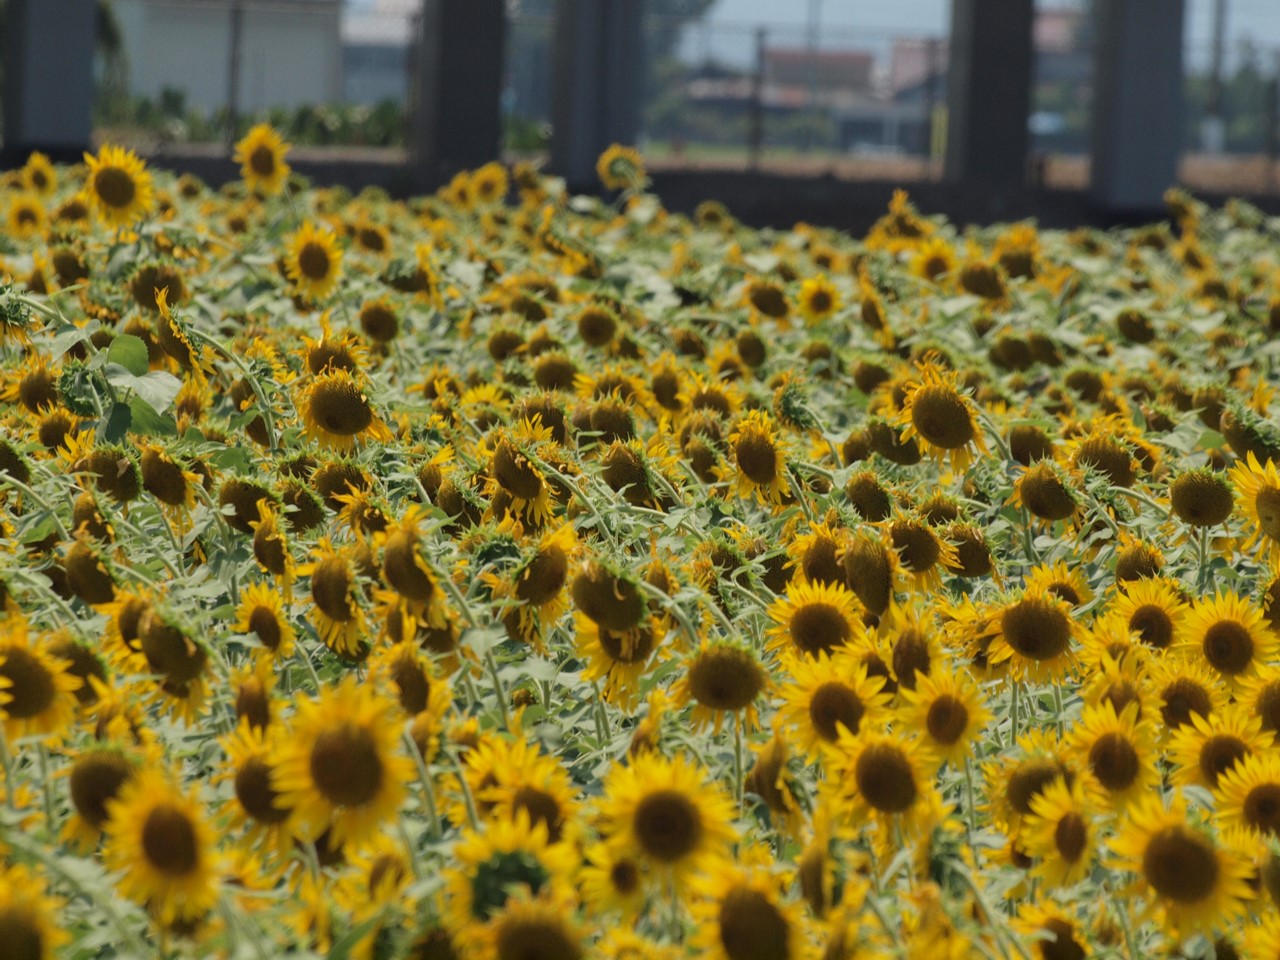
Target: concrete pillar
x=48 y=78
x=456 y=106
x=598 y=72
x=989 y=92
x=1137 y=103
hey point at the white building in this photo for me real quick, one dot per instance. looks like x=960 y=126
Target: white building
x=290 y=50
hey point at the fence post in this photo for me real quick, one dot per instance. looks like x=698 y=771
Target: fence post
x=598 y=69
x=456 y=123
x=48 y=88
x=755 y=130
x=233 y=74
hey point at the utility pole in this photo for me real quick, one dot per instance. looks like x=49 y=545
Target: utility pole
x=815 y=17
x=1213 y=132
x=755 y=130
x=233 y=78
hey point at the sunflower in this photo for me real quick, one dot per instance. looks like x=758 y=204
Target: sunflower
x=827 y=694
x=1054 y=932
x=1046 y=492
x=884 y=779
x=26 y=215
x=270 y=548
x=255 y=805
x=37 y=689
x=118 y=186
x=1203 y=497
x=948 y=708
x=943 y=418
x=610 y=883
x=411 y=678
x=1258 y=487
x=1208 y=747
x=160 y=842
x=337 y=768
x=819 y=299
x=313 y=261
x=1227 y=631
x=910 y=635
x=666 y=815
x=1152 y=608
x=758 y=452
x=539 y=789
x=922 y=554
x=722 y=677
x=1191 y=882
x=814 y=618
x=1060 y=579
x=492 y=865
x=261 y=614
x=39 y=175
x=934 y=259
x=1036 y=634
x=337 y=414
x=404 y=567
x=1062 y=830
x=1183 y=689
x=95 y=778
x=619 y=658
x=741 y=916
x=1013 y=782
x=29 y=917
x=621 y=168
x=260 y=154
x=1248 y=795
x=544 y=923
x=1117 y=749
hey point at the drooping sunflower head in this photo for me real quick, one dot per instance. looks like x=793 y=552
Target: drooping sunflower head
x=1201 y=497
x=720 y=678
x=337 y=413
x=118 y=186
x=621 y=168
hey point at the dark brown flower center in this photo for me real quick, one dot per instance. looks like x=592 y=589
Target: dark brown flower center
x=262 y=160
x=253 y=790
x=114 y=187
x=1114 y=761
x=668 y=826
x=1220 y=753
x=1071 y=837
x=947 y=719
x=940 y=416
x=1181 y=865
x=885 y=778
x=834 y=705
x=313 y=261
x=819 y=628
x=31 y=687
x=169 y=841
x=345 y=765
x=752 y=928
x=1228 y=647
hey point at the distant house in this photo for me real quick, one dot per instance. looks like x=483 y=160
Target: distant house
x=836 y=76
x=290 y=50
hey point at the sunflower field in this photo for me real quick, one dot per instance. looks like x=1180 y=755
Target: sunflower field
x=506 y=575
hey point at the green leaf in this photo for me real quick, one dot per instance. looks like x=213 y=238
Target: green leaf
x=116 y=425
x=149 y=423
x=130 y=352
x=157 y=388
